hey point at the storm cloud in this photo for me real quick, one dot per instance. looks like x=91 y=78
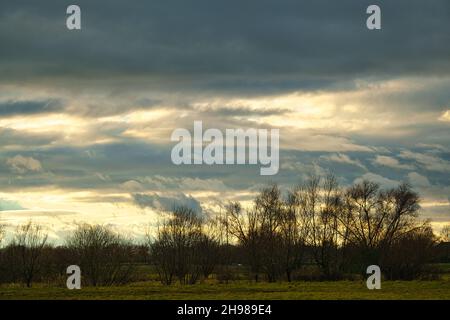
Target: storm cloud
x=225 y=45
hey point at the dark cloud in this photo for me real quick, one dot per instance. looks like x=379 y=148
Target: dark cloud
x=9 y=108
x=14 y=138
x=242 y=112
x=166 y=203
x=225 y=45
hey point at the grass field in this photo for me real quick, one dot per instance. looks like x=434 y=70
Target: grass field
x=242 y=290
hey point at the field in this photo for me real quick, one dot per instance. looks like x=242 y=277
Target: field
x=242 y=290
x=151 y=289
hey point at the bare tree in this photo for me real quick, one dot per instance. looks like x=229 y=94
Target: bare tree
x=372 y=220
x=225 y=247
x=320 y=200
x=208 y=247
x=338 y=230
x=243 y=225
x=445 y=233
x=163 y=257
x=376 y=218
x=270 y=213
x=28 y=245
x=341 y=229
x=294 y=232
x=102 y=254
x=258 y=231
x=362 y=219
x=176 y=251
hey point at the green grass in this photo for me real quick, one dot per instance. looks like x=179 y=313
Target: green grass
x=242 y=290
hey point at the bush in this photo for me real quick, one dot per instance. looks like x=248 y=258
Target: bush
x=408 y=257
x=103 y=255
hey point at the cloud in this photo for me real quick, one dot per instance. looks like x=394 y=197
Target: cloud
x=166 y=203
x=13 y=108
x=99 y=105
x=225 y=46
x=21 y=164
x=40 y=213
x=383 y=181
x=132 y=185
x=435 y=148
x=16 y=139
x=391 y=162
x=183 y=183
x=311 y=141
x=239 y=111
x=102 y=177
x=428 y=161
x=445 y=116
x=418 y=180
x=302 y=168
x=343 y=158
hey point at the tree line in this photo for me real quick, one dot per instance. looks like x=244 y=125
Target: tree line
x=314 y=231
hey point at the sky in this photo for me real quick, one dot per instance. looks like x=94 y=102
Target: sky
x=86 y=115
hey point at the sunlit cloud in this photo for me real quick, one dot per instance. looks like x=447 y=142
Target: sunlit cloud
x=445 y=116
